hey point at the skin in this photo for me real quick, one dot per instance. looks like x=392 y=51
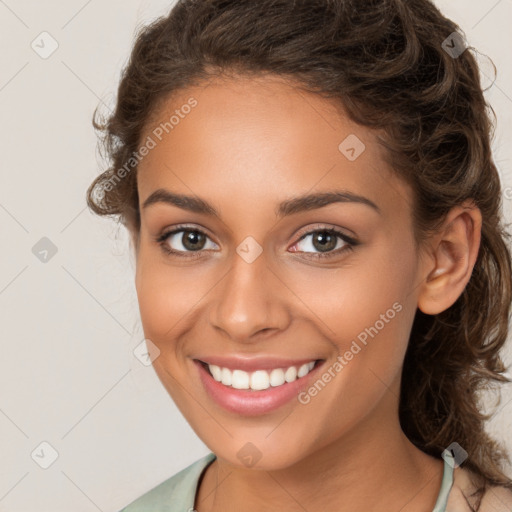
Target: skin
x=248 y=145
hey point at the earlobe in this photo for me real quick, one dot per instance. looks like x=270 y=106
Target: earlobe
x=452 y=259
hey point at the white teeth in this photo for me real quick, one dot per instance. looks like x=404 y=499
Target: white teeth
x=277 y=377
x=216 y=372
x=303 y=370
x=259 y=379
x=240 y=379
x=290 y=374
x=226 y=377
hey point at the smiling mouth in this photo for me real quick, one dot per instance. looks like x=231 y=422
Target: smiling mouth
x=258 y=380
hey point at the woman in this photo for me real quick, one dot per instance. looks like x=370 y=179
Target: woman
x=321 y=263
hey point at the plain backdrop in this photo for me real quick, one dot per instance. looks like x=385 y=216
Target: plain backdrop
x=69 y=318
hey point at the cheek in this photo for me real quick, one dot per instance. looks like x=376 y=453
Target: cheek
x=369 y=307
x=165 y=296
x=154 y=299
x=365 y=286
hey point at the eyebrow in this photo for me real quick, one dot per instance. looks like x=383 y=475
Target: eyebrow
x=288 y=207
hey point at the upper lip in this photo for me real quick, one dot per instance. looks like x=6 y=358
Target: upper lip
x=250 y=364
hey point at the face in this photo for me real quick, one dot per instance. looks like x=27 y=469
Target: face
x=280 y=323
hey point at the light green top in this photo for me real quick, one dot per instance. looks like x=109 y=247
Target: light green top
x=177 y=494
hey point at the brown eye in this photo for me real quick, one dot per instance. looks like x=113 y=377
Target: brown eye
x=193 y=240
x=182 y=242
x=326 y=243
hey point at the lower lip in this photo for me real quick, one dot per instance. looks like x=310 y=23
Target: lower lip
x=253 y=403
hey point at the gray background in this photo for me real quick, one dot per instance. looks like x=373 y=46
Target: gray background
x=69 y=325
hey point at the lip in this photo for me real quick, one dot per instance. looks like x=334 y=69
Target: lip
x=253 y=403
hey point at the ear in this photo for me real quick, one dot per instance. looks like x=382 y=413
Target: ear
x=451 y=256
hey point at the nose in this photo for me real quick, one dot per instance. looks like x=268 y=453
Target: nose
x=249 y=301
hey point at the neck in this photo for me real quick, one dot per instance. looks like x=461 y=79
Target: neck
x=373 y=467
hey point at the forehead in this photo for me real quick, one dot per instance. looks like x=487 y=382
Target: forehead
x=261 y=137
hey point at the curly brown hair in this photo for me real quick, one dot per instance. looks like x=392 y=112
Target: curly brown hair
x=385 y=63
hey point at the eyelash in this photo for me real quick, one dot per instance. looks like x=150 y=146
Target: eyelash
x=162 y=239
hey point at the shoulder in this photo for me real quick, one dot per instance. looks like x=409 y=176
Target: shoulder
x=463 y=495
x=175 y=493
x=497 y=499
